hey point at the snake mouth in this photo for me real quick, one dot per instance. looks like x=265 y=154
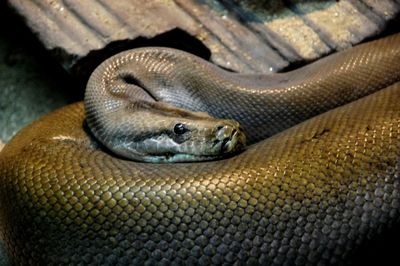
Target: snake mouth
x=179 y=158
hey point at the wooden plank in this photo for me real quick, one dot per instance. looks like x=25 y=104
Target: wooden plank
x=246 y=36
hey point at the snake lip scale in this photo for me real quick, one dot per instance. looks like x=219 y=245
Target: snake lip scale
x=317 y=183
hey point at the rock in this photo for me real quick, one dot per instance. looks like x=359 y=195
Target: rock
x=245 y=36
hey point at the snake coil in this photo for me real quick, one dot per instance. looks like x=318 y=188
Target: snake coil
x=311 y=194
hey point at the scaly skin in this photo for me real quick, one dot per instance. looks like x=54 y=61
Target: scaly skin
x=310 y=194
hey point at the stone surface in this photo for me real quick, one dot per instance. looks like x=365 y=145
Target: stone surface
x=245 y=36
x=3 y=257
x=31 y=83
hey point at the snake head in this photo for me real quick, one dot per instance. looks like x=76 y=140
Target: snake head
x=164 y=133
x=200 y=139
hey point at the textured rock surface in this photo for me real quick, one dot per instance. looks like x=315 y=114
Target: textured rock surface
x=31 y=84
x=245 y=36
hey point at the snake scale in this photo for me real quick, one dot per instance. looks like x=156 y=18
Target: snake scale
x=313 y=193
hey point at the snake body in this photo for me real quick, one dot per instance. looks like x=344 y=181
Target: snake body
x=311 y=194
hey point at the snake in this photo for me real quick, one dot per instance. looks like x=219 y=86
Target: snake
x=293 y=168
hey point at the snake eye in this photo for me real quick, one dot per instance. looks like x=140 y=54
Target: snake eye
x=180 y=128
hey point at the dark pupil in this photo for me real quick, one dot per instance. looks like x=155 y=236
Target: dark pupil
x=179 y=128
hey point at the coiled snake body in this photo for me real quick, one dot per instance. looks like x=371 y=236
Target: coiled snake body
x=310 y=194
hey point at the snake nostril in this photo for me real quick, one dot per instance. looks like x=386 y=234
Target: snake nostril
x=234 y=132
x=220 y=127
